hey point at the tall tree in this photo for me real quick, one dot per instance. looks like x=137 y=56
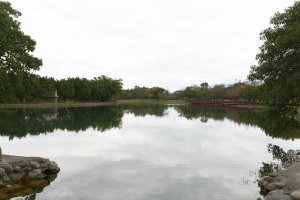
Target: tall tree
x=15 y=46
x=279 y=61
x=16 y=60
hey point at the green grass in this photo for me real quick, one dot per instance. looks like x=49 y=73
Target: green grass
x=150 y=101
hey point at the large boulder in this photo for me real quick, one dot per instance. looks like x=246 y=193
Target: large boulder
x=278 y=195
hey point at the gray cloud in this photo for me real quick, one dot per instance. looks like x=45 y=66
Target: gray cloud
x=167 y=43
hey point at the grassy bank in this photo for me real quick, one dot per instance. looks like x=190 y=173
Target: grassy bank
x=50 y=105
x=150 y=101
x=89 y=104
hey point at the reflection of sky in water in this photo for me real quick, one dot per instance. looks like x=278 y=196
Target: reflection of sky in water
x=153 y=158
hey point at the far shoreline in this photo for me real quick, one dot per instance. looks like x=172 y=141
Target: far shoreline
x=89 y=104
x=109 y=103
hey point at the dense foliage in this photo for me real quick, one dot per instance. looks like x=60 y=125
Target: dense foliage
x=279 y=61
x=100 y=88
x=16 y=60
x=281 y=160
x=15 y=46
x=17 y=80
x=146 y=93
x=237 y=91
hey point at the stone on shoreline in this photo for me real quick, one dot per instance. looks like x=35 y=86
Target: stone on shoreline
x=2 y=172
x=4 y=165
x=277 y=195
x=284 y=185
x=36 y=173
x=15 y=168
x=296 y=195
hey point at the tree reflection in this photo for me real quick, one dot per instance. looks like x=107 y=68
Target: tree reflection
x=157 y=110
x=22 y=122
x=26 y=189
x=19 y=123
x=271 y=123
x=281 y=160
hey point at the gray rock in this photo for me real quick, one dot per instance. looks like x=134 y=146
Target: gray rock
x=265 y=183
x=278 y=195
x=17 y=168
x=267 y=178
x=43 y=165
x=34 y=164
x=16 y=176
x=273 y=174
x=27 y=169
x=23 y=163
x=5 y=178
x=2 y=172
x=6 y=167
x=280 y=185
x=270 y=187
x=296 y=195
x=53 y=166
x=36 y=173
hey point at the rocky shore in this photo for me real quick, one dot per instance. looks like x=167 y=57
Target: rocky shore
x=25 y=175
x=284 y=185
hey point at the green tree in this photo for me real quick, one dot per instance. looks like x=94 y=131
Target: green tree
x=15 y=46
x=204 y=86
x=279 y=61
x=65 y=89
x=16 y=60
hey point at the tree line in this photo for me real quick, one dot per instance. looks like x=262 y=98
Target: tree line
x=237 y=91
x=31 y=87
x=277 y=69
x=17 y=64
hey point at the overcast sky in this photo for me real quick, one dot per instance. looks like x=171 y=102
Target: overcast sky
x=167 y=43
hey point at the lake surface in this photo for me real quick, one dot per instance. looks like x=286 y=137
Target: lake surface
x=143 y=152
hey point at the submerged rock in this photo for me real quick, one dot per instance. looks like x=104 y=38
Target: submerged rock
x=21 y=176
x=282 y=185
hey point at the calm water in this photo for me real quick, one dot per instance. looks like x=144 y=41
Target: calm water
x=148 y=152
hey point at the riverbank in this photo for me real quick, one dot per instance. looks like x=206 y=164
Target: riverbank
x=152 y=101
x=90 y=104
x=119 y=102
x=284 y=185
x=20 y=176
x=53 y=105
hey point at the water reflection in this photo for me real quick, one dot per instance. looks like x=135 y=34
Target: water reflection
x=271 y=123
x=21 y=122
x=281 y=160
x=148 y=152
x=26 y=189
x=157 y=110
